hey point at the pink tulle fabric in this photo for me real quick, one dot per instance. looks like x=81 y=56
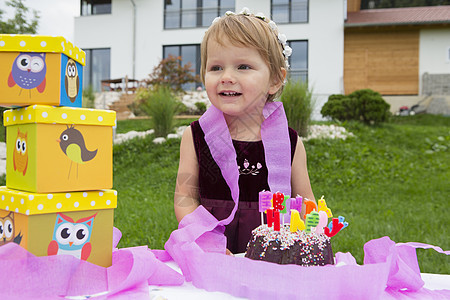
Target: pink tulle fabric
x=198 y=245
x=25 y=276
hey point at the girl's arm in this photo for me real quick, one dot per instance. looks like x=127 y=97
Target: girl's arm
x=299 y=175
x=186 y=191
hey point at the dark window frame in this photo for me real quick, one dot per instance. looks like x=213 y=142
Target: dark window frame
x=90 y=5
x=299 y=73
x=89 y=68
x=198 y=13
x=289 y=21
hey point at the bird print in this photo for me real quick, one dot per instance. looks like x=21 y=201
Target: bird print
x=72 y=81
x=28 y=72
x=72 y=144
x=20 y=155
x=7 y=230
x=72 y=238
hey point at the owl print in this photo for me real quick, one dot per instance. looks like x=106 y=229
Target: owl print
x=72 y=238
x=28 y=72
x=20 y=155
x=7 y=230
x=72 y=81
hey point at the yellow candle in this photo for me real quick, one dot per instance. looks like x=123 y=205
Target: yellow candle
x=296 y=222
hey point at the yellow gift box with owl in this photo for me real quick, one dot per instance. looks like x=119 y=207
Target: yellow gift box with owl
x=40 y=69
x=58 y=149
x=76 y=223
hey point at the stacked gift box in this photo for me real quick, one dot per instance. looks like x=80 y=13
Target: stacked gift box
x=58 y=197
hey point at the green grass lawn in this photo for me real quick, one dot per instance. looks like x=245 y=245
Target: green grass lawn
x=390 y=180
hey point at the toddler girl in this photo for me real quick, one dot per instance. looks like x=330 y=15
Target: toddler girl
x=242 y=144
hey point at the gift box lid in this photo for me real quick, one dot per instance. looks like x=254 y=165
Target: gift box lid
x=41 y=43
x=59 y=115
x=36 y=204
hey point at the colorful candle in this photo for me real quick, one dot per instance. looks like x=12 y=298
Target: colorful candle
x=278 y=199
x=296 y=222
x=323 y=219
x=273 y=218
x=312 y=220
x=264 y=200
x=296 y=203
x=310 y=206
x=323 y=207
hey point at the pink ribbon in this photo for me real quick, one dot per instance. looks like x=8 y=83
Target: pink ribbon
x=53 y=277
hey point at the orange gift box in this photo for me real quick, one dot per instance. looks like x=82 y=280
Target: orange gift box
x=57 y=149
x=76 y=223
x=40 y=70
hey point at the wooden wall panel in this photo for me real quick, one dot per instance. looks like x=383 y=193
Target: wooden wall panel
x=387 y=62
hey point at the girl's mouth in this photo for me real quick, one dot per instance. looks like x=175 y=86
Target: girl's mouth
x=230 y=94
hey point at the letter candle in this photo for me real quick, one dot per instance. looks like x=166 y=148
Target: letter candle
x=296 y=203
x=264 y=203
x=296 y=222
x=286 y=209
x=277 y=204
x=310 y=206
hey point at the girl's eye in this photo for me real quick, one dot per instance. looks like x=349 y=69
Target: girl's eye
x=215 y=68
x=244 y=67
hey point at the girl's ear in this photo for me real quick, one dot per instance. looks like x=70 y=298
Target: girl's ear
x=276 y=85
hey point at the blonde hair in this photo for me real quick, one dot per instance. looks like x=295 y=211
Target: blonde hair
x=248 y=31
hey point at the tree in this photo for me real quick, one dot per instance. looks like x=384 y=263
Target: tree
x=20 y=23
x=171 y=73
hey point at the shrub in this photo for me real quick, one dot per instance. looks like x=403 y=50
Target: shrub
x=88 y=97
x=338 y=107
x=363 y=105
x=298 y=105
x=201 y=107
x=369 y=106
x=161 y=105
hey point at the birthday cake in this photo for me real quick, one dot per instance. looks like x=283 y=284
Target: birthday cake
x=304 y=243
x=286 y=247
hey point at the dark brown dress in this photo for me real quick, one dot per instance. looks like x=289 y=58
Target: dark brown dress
x=215 y=195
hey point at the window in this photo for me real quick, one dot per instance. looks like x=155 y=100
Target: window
x=299 y=60
x=95 y=7
x=290 y=11
x=189 y=54
x=97 y=67
x=193 y=13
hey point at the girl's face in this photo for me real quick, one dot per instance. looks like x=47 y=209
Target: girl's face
x=237 y=79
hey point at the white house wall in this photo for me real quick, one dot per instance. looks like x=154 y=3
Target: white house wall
x=434 y=52
x=324 y=32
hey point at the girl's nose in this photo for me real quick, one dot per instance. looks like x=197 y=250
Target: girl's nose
x=227 y=77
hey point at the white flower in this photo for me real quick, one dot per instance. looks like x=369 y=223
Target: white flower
x=229 y=13
x=287 y=51
x=260 y=15
x=282 y=38
x=273 y=25
x=245 y=11
x=215 y=20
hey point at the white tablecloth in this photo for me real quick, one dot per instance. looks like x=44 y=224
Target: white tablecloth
x=188 y=291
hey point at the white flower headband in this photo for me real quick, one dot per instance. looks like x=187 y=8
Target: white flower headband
x=282 y=39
